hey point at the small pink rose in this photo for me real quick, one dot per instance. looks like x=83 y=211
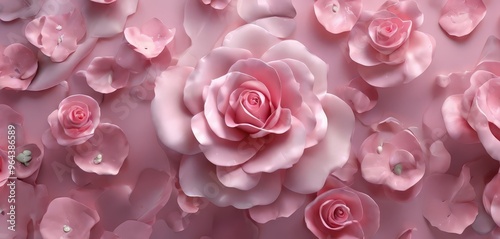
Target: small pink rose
x=341 y=212
x=150 y=39
x=57 y=36
x=337 y=16
x=387 y=47
x=75 y=120
x=18 y=66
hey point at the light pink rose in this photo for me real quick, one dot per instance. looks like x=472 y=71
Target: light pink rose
x=337 y=16
x=12 y=10
x=387 y=47
x=57 y=36
x=475 y=115
x=397 y=158
x=491 y=198
x=18 y=66
x=341 y=212
x=253 y=120
x=75 y=120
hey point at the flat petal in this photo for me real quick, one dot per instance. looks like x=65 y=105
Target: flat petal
x=440 y=158
x=287 y=203
x=252 y=10
x=107 y=20
x=198 y=178
x=131 y=229
x=459 y=18
x=361 y=96
x=150 y=194
x=281 y=27
x=337 y=16
x=169 y=113
x=250 y=37
x=335 y=148
x=105 y=76
x=236 y=177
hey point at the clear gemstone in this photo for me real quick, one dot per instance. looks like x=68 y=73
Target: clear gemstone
x=66 y=228
x=98 y=159
x=59 y=27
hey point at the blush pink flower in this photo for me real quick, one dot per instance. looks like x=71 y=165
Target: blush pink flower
x=150 y=39
x=217 y=4
x=337 y=16
x=18 y=66
x=459 y=18
x=253 y=120
x=387 y=47
x=67 y=218
x=75 y=121
x=57 y=36
x=475 y=115
x=491 y=198
x=341 y=212
x=396 y=158
x=12 y=10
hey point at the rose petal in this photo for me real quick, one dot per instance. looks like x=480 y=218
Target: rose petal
x=107 y=20
x=337 y=16
x=236 y=177
x=252 y=10
x=105 y=76
x=133 y=229
x=250 y=37
x=287 y=203
x=456 y=125
x=335 y=147
x=150 y=194
x=459 y=18
x=150 y=39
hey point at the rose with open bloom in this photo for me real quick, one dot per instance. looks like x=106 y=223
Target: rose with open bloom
x=387 y=46
x=475 y=115
x=253 y=119
x=75 y=121
x=341 y=212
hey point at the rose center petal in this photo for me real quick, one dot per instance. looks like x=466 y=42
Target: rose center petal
x=78 y=116
x=387 y=29
x=256 y=104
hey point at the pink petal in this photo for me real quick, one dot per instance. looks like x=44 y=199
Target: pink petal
x=105 y=76
x=169 y=113
x=22 y=9
x=107 y=20
x=440 y=158
x=250 y=37
x=198 y=178
x=130 y=59
x=456 y=125
x=66 y=211
x=407 y=234
x=287 y=203
x=22 y=60
x=150 y=39
x=335 y=147
x=406 y=10
x=212 y=66
x=418 y=58
x=104 y=1
x=219 y=151
x=111 y=143
x=459 y=18
x=217 y=4
x=133 y=229
x=361 y=96
x=236 y=177
x=252 y=10
x=150 y=194
x=449 y=202
x=295 y=50
x=490 y=198
x=338 y=16
x=282 y=151
x=281 y=27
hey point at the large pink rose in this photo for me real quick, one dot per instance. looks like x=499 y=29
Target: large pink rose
x=387 y=46
x=475 y=114
x=342 y=213
x=254 y=120
x=75 y=121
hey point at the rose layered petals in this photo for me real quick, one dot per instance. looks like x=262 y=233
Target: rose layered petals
x=212 y=66
x=217 y=4
x=334 y=148
x=276 y=16
x=456 y=125
x=418 y=57
x=487 y=132
x=449 y=201
x=197 y=178
x=388 y=34
x=236 y=177
x=490 y=198
x=337 y=16
x=285 y=205
x=171 y=118
x=406 y=10
x=104 y=75
x=105 y=152
x=460 y=18
x=280 y=151
x=295 y=50
x=150 y=39
x=67 y=217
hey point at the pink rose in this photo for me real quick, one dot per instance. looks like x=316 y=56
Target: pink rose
x=253 y=121
x=397 y=158
x=474 y=115
x=75 y=120
x=340 y=212
x=491 y=198
x=387 y=46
